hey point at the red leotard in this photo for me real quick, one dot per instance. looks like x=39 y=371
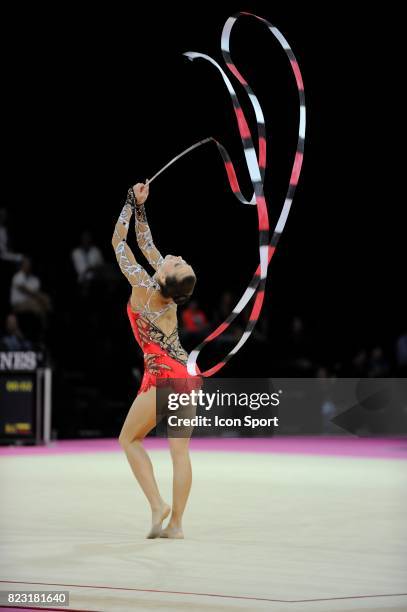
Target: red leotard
x=164 y=356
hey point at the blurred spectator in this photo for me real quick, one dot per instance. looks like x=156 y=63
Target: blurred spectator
x=322 y=372
x=26 y=295
x=5 y=253
x=378 y=364
x=87 y=258
x=297 y=330
x=325 y=385
x=359 y=366
x=193 y=318
x=13 y=339
x=225 y=307
x=298 y=348
x=401 y=353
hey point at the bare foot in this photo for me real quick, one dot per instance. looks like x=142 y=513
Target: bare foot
x=157 y=519
x=173 y=532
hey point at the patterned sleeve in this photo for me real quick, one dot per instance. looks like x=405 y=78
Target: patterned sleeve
x=132 y=270
x=145 y=239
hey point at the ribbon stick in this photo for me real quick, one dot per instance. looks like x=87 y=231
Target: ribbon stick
x=177 y=157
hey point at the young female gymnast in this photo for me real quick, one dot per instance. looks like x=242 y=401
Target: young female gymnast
x=152 y=310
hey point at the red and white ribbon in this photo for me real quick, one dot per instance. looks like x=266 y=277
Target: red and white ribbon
x=256 y=164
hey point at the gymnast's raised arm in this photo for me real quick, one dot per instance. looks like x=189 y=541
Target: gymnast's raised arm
x=132 y=270
x=143 y=233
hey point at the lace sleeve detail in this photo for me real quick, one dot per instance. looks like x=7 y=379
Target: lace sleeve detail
x=145 y=239
x=132 y=270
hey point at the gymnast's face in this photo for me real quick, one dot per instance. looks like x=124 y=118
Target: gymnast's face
x=174 y=265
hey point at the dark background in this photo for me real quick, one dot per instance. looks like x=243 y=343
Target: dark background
x=95 y=102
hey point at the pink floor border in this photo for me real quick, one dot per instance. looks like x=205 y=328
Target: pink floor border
x=339 y=446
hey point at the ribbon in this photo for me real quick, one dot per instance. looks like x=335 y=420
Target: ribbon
x=256 y=164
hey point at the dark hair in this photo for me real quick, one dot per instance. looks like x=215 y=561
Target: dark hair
x=179 y=290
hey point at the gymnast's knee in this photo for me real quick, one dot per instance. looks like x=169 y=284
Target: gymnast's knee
x=125 y=440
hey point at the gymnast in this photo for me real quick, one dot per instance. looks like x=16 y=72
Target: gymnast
x=152 y=310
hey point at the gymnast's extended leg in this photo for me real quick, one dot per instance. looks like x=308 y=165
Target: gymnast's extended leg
x=141 y=419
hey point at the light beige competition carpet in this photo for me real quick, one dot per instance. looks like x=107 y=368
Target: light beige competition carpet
x=263 y=532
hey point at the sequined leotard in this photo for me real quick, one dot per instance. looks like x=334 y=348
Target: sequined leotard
x=164 y=357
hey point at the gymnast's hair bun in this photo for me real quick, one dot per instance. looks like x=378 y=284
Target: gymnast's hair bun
x=179 y=290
